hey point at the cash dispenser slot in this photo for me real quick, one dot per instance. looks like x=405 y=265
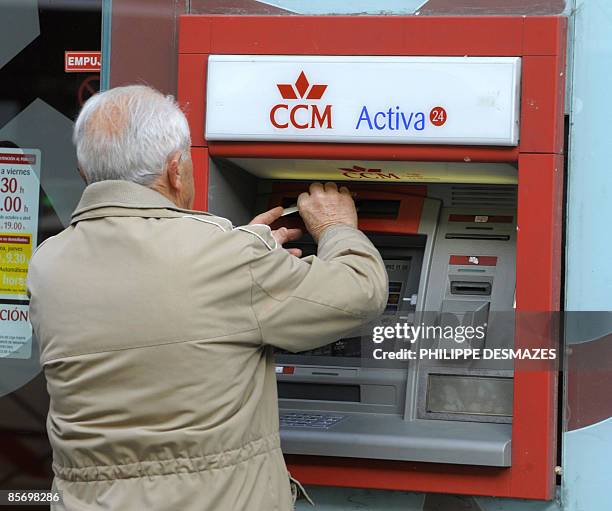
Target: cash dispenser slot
x=461 y=287
x=366 y=208
x=474 y=236
x=315 y=391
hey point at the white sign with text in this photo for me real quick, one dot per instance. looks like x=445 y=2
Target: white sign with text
x=403 y=100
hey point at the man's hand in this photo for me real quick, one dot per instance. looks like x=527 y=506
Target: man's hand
x=323 y=206
x=282 y=235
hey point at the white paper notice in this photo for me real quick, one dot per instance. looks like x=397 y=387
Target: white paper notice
x=19 y=193
x=16 y=333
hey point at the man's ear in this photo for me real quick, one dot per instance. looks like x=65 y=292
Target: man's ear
x=173 y=171
x=82 y=174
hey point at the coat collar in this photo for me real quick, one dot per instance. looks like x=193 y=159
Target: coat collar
x=102 y=198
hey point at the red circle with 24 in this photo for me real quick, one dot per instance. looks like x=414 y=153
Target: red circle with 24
x=437 y=116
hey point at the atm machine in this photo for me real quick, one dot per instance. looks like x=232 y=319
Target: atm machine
x=449 y=263
x=452 y=145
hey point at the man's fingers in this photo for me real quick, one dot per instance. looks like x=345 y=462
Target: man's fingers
x=295 y=252
x=268 y=217
x=294 y=234
x=302 y=197
x=283 y=235
x=344 y=189
x=316 y=188
x=330 y=186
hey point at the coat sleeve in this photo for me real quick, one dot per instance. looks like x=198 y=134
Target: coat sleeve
x=301 y=304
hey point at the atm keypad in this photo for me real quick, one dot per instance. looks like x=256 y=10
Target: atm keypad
x=309 y=420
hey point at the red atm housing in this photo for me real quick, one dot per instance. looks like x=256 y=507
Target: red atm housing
x=541 y=42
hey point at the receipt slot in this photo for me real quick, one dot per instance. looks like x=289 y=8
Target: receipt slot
x=450 y=132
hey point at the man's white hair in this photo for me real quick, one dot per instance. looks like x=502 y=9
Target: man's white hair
x=128 y=133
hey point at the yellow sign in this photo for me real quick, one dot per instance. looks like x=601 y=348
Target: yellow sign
x=15 y=253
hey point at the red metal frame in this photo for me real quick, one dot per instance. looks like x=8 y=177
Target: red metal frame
x=540 y=41
x=199 y=157
x=375 y=152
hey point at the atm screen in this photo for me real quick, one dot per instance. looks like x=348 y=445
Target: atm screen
x=403 y=257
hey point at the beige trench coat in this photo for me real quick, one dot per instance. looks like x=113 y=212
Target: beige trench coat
x=157 y=327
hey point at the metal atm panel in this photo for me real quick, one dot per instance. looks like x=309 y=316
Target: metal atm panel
x=380 y=407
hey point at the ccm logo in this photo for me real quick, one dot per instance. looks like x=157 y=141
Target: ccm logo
x=301 y=115
x=357 y=172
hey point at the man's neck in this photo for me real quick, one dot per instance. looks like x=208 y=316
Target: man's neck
x=164 y=190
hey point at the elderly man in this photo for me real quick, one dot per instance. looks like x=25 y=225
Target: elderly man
x=157 y=323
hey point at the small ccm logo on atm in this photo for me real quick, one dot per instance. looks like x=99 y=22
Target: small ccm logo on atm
x=357 y=172
x=301 y=115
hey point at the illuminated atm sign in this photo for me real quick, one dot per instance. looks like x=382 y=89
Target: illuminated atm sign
x=420 y=100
